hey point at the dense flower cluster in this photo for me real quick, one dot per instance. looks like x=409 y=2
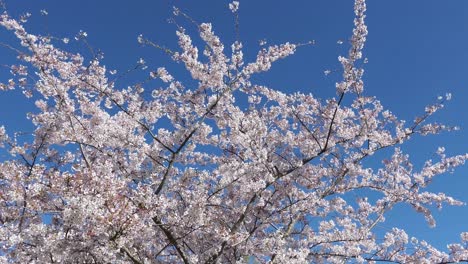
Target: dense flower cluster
x=112 y=175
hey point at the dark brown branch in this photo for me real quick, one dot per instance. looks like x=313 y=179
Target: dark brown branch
x=171 y=239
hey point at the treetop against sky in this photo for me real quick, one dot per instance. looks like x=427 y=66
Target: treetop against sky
x=221 y=132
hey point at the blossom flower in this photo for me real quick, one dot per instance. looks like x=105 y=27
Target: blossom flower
x=234 y=6
x=81 y=35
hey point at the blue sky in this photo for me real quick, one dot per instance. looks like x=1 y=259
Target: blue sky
x=416 y=50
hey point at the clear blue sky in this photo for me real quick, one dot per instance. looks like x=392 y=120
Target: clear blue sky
x=416 y=50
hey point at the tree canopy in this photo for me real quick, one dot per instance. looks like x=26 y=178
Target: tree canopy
x=226 y=171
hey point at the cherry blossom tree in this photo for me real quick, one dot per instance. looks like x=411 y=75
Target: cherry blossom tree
x=186 y=175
